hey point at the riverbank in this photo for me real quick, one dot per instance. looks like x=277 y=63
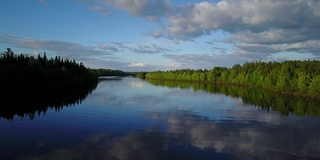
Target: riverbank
x=289 y=77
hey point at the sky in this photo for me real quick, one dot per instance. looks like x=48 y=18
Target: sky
x=152 y=35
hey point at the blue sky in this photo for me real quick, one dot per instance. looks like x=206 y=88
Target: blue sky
x=149 y=35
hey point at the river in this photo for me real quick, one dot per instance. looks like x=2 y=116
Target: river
x=129 y=118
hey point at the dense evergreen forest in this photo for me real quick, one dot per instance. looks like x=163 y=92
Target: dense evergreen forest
x=109 y=72
x=291 y=77
x=23 y=72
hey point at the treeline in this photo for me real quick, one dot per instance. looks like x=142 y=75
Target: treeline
x=20 y=71
x=294 y=77
x=141 y=75
x=263 y=99
x=109 y=72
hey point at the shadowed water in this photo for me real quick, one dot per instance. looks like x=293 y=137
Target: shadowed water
x=133 y=119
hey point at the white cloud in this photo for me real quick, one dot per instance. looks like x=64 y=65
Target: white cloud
x=141 y=49
x=100 y=10
x=149 y=49
x=243 y=15
x=257 y=49
x=138 y=64
x=108 y=47
x=276 y=36
x=311 y=46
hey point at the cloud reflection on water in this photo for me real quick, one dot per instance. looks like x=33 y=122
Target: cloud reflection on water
x=194 y=134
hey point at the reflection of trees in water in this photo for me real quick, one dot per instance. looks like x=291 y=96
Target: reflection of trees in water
x=183 y=135
x=29 y=103
x=263 y=99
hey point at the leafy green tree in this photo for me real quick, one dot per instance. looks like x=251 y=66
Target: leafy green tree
x=314 y=87
x=303 y=83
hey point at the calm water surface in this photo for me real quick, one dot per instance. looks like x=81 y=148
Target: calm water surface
x=130 y=118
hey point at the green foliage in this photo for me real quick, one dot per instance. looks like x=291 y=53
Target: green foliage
x=141 y=75
x=295 y=77
x=303 y=83
x=109 y=72
x=314 y=87
x=27 y=72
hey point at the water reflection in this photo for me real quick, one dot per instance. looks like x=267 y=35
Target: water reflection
x=262 y=99
x=183 y=135
x=119 y=121
x=29 y=103
x=109 y=78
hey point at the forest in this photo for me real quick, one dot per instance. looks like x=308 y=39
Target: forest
x=23 y=72
x=289 y=77
x=109 y=72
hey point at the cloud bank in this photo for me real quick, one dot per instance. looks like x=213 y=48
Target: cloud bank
x=258 y=28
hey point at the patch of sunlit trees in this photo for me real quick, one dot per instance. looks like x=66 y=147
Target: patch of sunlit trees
x=294 y=77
